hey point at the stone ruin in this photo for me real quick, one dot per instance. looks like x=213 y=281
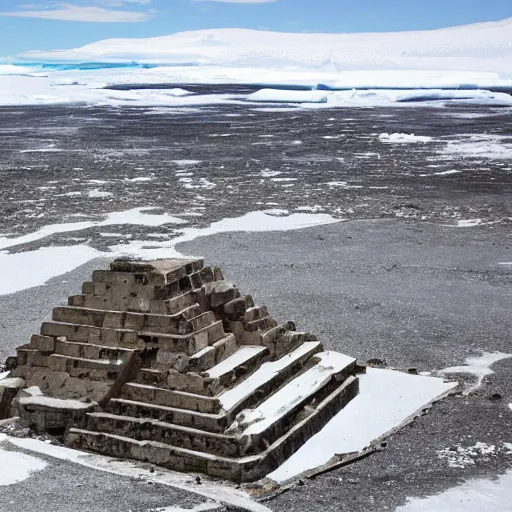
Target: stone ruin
x=167 y=363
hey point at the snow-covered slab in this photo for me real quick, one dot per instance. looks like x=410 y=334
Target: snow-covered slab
x=243 y=354
x=387 y=399
x=264 y=374
x=54 y=403
x=12 y=383
x=259 y=419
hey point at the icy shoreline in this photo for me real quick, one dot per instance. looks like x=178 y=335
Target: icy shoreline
x=468 y=64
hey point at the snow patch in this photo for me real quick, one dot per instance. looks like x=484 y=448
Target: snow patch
x=55 y=403
x=402 y=138
x=141 y=179
x=186 y=162
x=33 y=268
x=472 y=496
x=266 y=173
x=223 y=493
x=460 y=457
x=496 y=147
x=97 y=193
x=446 y=173
x=16 y=467
x=468 y=223
x=136 y=216
x=479 y=366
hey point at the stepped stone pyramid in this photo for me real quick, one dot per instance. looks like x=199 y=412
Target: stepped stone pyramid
x=167 y=363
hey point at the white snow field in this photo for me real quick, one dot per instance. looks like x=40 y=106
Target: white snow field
x=34 y=268
x=443 y=63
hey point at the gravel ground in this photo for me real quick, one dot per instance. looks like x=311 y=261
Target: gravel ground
x=416 y=295
x=66 y=487
x=396 y=281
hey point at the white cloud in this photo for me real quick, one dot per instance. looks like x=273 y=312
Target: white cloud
x=119 y=3
x=71 y=12
x=240 y=1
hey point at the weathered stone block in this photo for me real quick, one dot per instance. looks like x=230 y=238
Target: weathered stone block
x=76 y=301
x=58 y=363
x=235 y=309
x=42 y=343
x=175 y=360
x=202 y=360
x=225 y=347
x=223 y=293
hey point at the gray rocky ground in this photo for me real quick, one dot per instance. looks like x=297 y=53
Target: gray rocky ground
x=396 y=281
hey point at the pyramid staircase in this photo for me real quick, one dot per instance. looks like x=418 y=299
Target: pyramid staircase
x=186 y=372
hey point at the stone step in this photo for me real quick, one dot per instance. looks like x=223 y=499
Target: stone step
x=126 y=338
x=147 y=429
x=250 y=333
x=242 y=469
x=266 y=379
x=128 y=291
x=220 y=411
x=280 y=340
x=265 y=423
x=170 y=269
x=181 y=373
x=198 y=420
x=186 y=343
x=91 y=351
x=242 y=362
x=174 y=305
x=170 y=398
x=161 y=454
x=83 y=368
x=190 y=382
x=189 y=320
x=255 y=313
x=212 y=355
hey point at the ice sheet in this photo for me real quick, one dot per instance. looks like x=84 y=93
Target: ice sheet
x=480 y=47
x=460 y=59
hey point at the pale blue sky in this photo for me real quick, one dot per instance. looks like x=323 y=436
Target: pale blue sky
x=43 y=25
